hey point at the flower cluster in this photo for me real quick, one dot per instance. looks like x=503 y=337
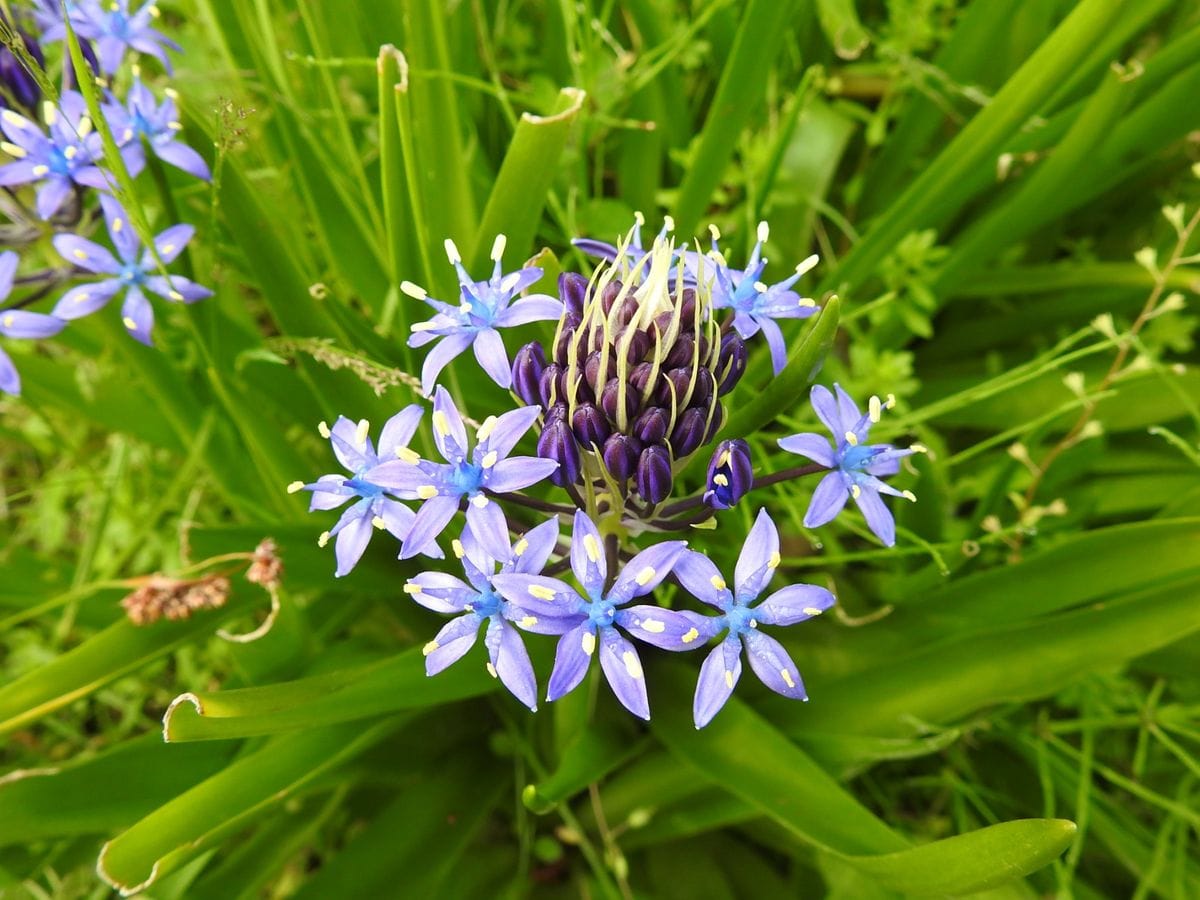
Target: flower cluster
x=645 y=356
x=52 y=154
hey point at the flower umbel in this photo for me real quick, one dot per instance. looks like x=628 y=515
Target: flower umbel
x=589 y=620
x=485 y=306
x=18 y=324
x=477 y=603
x=373 y=508
x=857 y=467
x=741 y=617
x=144 y=117
x=129 y=273
x=487 y=469
x=116 y=30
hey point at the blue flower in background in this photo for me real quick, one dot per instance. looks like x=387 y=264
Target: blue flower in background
x=18 y=324
x=130 y=274
x=374 y=509
x=142 y=117
x=57 y=159
x=487 y=469
x=485 y=306
x=740 y=618
x=856 y=466
x=116 y=30
x=586 y=621
x=755 y=305
x=477 y=603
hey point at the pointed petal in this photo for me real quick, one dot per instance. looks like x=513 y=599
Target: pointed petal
x=827 y=500
x=847 y=409
x=720 y=672
x=120 y=231
x=170 y=243
x=793 y=604
x=52 y=195
x=351 y=543
x=510 y=661
x=811 y=445
x=516 y=473
x=10 y=379
x=449 y=433
x=571 y=660
x=439 y=357
x=397 y=518
x=670 y=629
x=538 y=308
x=492 y=357
x=775 y=342
x=22 y=324
x=85 y=299
x=431 y=520
x=8 y=270
x=540 y=594
x=530 y=557
x=588 y=560
x=349 y=450
x=137 y=315
x=177 y=288
x=645 y=572
x=505 y=431
x=451 y=643
x=772 y=665
x=181 y=156
x=825 y=406
x=86 y=255
x=440 y=592
x=701 y=578
x=486 y=520
x=398 y=431
x=623 y=668
x=758 y=559
x=878 y=516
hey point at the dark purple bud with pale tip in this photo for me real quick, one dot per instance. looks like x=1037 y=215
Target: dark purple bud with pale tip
x=550 y=385
x=731 y=364
x=620 y=456
x=556 y=442
x=654 y=474
x=590 y=425
x=527 y=370
x=689 y=432
x=730 y=474
x=651 y=426
x=572 y=291
x=610 y=400
x=702 y=390
x=639 y=377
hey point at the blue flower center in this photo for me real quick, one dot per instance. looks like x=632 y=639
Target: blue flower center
x=601 y=614
x=363 y=488
x=486 y=604
x=58 y=162
x=466 y=478
x=118 y=25
x=132 y=273
x=857 y=458
x=738 y=618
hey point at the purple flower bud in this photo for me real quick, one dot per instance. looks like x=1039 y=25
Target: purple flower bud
x=689 y=432
x=556 y=442
x=639 y=346
x=731 y=364
x=610 y=397
x=682 y=353
x=609 y=297
x=620 y=455
x=550 y=385
x=19 y=83
x=651 y=426
x=654 y=474
x=527 y=372
x=730 y=474
x=590 y=425
x=702 y=390
x=714 y=425
x=562 y=346
x=572 y=291
x=639 y=377
x=681 y=381
x=596 y=378
x=687 y=308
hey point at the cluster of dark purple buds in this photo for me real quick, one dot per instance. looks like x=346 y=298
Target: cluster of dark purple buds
x=634 y=383
x=17 y=86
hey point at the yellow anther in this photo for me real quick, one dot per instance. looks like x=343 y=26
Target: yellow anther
x=632 y=664
x=808 y=264
x=589 y=643
x=909 y=496
x=429 y=648
x=408 y=455
x=592 y=546
x=490 y=459
x=480 y=501
x=720 y=480
x=806 y=302
x=464 y=308
x=49 y=113
x=412 y=588
x=764 y=231
x=541 y=592
x=129 y=323
x=452 y=252
x=172 y=93
x=528 y=621
x=323 y=430
x=424 y=326
x=12 y=119
x=81 y=297
x=669 y=223
x=851 y=438
x=379 y=523
x=498 y=247
x=39 y=171
x=718 y=582
x=175 y=295
x=874 y=408
x=323 y=539
x=918 y=448
x=441 y=424
x=774 y=561
x=457 y=546
x=723 y=459
x=295 y=486
x=729 y=679
x=760 y=287
x=787 y=678
x=690 y=635
x=855 y=491
x=166 y=249
x=639 y=218
x=654 y=626
x=812 y=611
x=753 y=623
x=413 y=290
x=491 y=670
x=117 y=225
x=360 y=433
x=520 y=547
x=486 y=429
x=175 y=126
x=71 y=152
x=644 y=577
x=715 y=232
x=891 y=401
x=427 y=492
x=12 y=149
x=127 y=134
x=79 y=254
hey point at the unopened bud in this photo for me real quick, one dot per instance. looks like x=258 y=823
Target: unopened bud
x=654 y=474
x=556 y=442
x=550 y=385
x=689 y=432
x=731 y=364
x=590 y=425
x=527 y=370
x=610 y=401
x=651 y=426
x=730 y=474
x=572 y=291
x=620 y=456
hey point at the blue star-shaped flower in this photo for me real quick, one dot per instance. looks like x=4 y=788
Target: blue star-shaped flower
x=116 y=29
x=478 y=603
x=485 y=307
x=856 y=466
x=19 y=324
x=56 y=159
x=488 y=469
x=589 y=620
x=374 y=509
x=740 y=618
x=130 y=273
x=143 y=117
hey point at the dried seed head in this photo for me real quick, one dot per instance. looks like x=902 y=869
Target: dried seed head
x=266 y=568
x=173 y=598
